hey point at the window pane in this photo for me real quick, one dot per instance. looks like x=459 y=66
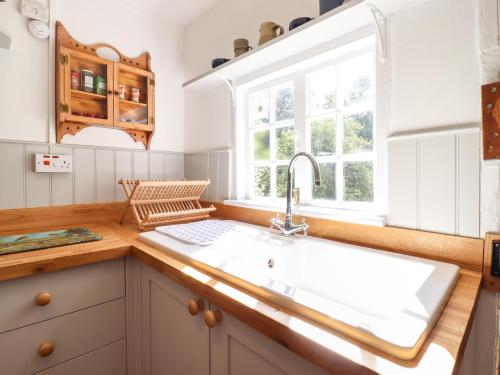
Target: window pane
x=262 y=181
x=322 y=93
x=261 y=145
x=260 y=108
x=281 y=173
x=358 y=185
x=358 y=132
x=323 y=136
x=356 y=79
x=285 y=143
x=327 y=189
x=284 y=104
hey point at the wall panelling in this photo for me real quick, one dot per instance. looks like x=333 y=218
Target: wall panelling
x=96 y=171
x=214 y=165
x=433 y=181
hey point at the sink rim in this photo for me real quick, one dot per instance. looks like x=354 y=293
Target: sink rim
x=309 y=314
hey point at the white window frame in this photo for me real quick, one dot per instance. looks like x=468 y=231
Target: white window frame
x=303 y=173
x=273 y=125
x=340 y=158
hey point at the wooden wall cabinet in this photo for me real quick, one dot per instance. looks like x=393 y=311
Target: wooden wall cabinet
x=77 y=108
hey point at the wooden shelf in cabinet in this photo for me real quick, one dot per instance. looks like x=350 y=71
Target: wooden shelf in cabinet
x=131 y=104
x=134 y=126
x=87 y=95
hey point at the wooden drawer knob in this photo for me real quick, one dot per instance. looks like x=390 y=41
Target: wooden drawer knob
x=45 y=349
x=194 y=307
x=212 y=318
x=43 y=299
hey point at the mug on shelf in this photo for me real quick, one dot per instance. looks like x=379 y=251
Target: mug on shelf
x=122 y=91
x=219 y=61
x=135 y=94
x=241 y=46
x=328 y=5
x=270 y=30
x=299 y=22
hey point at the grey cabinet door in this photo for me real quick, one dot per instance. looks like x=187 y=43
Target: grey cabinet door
x=237 y=349
x=174 y=342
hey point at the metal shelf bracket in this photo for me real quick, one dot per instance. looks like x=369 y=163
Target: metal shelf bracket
x=232 y=90
x=381 y=23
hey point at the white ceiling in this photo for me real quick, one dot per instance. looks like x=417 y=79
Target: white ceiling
x=179 y=12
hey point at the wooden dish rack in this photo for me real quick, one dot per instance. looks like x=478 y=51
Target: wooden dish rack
x=159 y=202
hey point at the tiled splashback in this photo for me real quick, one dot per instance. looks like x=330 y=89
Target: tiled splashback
x=94 y=179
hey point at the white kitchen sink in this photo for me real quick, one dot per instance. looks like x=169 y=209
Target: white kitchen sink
x=387 y=300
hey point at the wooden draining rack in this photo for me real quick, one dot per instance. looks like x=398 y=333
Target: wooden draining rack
x=159 y=202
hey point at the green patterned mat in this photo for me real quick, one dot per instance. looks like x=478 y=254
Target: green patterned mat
x=36 y=241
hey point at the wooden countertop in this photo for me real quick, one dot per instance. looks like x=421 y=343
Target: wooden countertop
x=441 y=354
x=33 y=262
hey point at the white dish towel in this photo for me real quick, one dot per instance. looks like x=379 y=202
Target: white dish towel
x=202 y=233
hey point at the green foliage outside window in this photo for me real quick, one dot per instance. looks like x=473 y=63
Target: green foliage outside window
x=358 y=132
x=323 y=137
x=330 y=102
x=327 y=189
x=262 y=181
x=358 y=181
x=281 y=173
x=359 y=90
x=284 y=104
x=262 y=145
x=285 y=143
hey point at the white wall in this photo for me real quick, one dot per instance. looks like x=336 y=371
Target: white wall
x=434 y=58
x=23 y=78
x=27 y=71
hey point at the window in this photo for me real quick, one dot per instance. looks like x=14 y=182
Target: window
x=272 y=139
x=328 y=110
x=340 y=108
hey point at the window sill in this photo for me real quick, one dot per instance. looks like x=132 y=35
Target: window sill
x=350 y=216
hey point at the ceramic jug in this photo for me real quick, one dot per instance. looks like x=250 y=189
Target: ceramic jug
x=241 y=46
x=269 y=31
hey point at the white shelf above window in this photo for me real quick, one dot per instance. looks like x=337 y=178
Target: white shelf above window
x=350 y=17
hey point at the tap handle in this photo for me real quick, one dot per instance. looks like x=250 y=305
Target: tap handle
x=304 y=226
x=274 y=221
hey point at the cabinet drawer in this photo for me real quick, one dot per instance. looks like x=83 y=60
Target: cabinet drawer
x=110 y=360
x=70 y=290
x=72 y=335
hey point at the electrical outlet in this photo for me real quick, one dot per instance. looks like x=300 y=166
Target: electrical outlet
x=47 y=163
x=495 y=259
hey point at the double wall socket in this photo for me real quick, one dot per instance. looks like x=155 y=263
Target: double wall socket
x=49 y=163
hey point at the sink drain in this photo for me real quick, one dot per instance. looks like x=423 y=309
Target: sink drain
x=270 y=263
